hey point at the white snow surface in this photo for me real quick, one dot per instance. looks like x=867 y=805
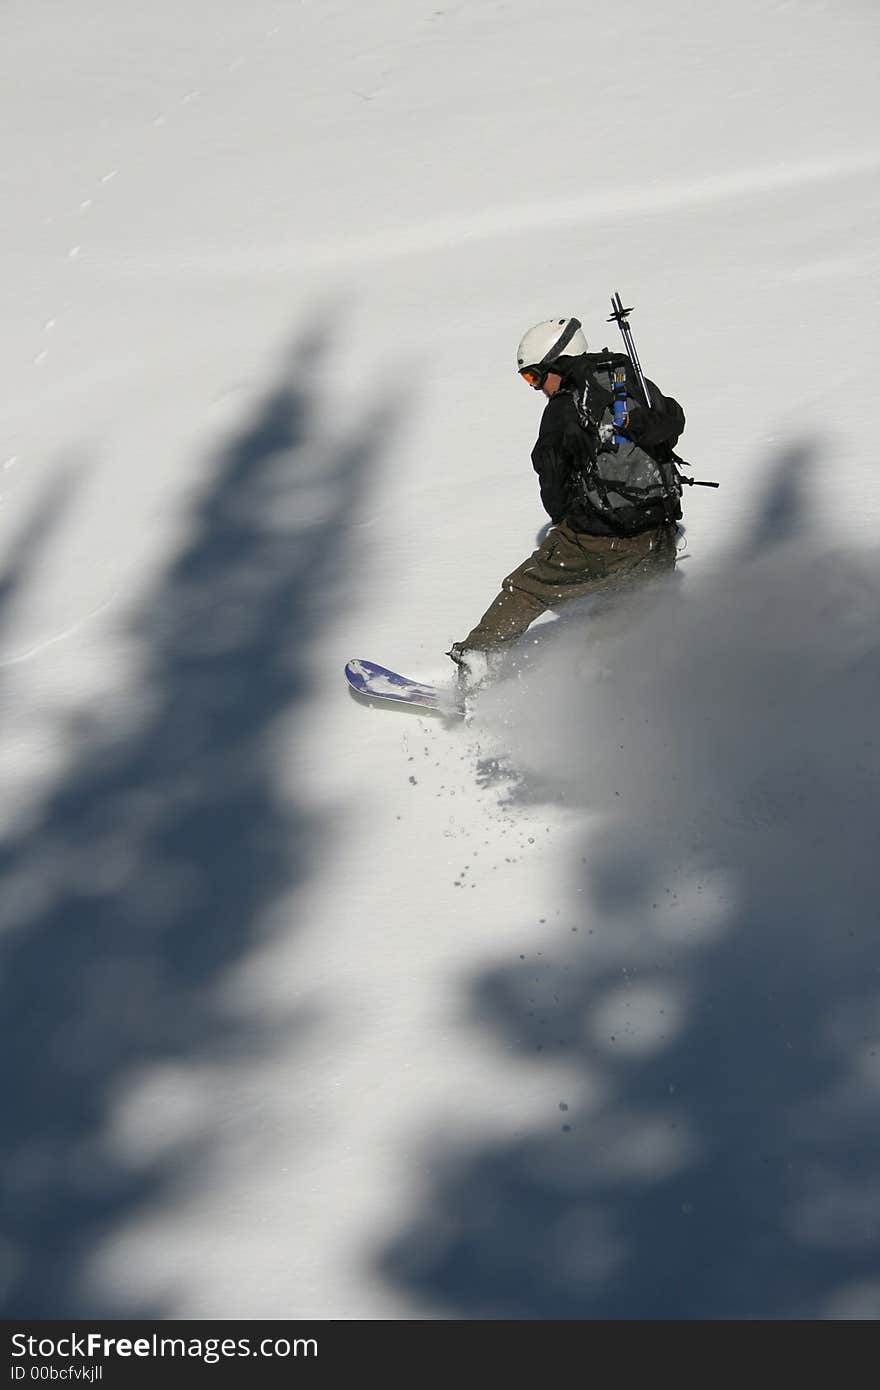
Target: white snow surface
x=314 y=1009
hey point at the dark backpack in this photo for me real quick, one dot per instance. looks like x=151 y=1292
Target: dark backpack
x=632 y=486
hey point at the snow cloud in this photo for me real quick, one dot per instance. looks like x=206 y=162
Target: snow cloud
x=714 y=745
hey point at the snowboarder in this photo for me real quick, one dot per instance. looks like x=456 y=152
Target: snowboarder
x=604 y=463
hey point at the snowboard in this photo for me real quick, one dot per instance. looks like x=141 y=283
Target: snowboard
x=378 y=683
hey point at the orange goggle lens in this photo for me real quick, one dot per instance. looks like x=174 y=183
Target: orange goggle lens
x=535 y=376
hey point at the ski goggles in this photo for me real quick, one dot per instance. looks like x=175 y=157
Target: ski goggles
x=535 y=376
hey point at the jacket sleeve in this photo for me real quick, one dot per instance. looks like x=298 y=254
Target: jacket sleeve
x=561 y=447
x=662 y=424
x=548 y=464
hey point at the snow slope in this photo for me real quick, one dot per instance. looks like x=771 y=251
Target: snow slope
x=317 y=1010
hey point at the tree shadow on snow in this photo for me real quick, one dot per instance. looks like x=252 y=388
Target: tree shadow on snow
x=146 y=874
x=707 y=1010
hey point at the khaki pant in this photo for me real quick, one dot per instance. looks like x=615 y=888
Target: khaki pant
x=569 y=564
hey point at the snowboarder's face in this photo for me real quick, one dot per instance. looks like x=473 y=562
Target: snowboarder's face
x=542 y=380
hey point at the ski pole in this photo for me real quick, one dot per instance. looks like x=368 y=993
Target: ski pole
x=695 y=482
x=618 y=315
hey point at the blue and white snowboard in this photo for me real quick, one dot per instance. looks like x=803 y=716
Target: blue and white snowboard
x=378 y=683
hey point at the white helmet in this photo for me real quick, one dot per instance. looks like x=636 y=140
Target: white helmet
x=547 y=341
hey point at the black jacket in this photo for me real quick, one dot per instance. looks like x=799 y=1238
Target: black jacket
x=565 y=446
